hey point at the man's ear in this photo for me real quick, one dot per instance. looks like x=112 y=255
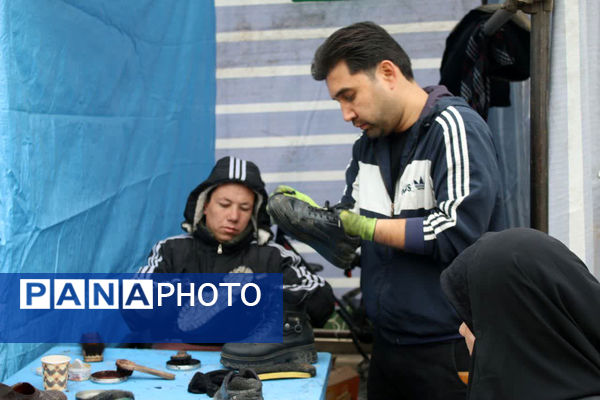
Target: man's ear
x=388 y=72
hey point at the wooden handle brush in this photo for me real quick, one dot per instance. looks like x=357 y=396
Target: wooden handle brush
x=127 y=367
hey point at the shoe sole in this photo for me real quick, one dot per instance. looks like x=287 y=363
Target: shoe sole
x=302 y=354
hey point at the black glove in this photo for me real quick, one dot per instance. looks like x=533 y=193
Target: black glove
x=207 y=383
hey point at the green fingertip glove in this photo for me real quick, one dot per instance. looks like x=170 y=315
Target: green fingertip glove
x=358 y=225
x=290 y=191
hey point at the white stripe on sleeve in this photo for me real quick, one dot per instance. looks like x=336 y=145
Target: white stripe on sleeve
x=458 y=178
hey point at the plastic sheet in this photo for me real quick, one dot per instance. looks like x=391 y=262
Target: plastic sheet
x=106 y=123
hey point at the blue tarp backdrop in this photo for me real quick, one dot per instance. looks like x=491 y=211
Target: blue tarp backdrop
x=106 y=124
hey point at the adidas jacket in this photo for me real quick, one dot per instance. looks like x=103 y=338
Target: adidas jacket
x=449 y=192
x=199 y=252
x=190 y=253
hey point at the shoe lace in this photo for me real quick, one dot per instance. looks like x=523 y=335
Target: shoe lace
x=326 y=213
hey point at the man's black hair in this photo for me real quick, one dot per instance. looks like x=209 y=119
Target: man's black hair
x=362 y=46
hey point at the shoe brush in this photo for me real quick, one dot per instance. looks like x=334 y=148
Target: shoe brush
x=127 y=367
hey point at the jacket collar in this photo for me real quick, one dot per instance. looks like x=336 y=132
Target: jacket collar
x=207 y=238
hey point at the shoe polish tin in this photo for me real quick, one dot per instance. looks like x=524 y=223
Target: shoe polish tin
x=90 y=394
x=108 y=377
x=182 y=361
x=183 y=366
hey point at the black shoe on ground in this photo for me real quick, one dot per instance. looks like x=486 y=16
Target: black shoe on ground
x=243 y=385
x=298 y=346
x=320 y=228
x=25 y=391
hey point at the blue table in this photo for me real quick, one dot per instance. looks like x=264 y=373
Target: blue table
x=148 y=387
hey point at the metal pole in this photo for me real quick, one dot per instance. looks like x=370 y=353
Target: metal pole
x=540 y=78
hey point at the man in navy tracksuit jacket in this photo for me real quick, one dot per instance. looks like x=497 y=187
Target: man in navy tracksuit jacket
x=422 y=185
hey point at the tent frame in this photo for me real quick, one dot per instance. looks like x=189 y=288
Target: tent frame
x=540 y=11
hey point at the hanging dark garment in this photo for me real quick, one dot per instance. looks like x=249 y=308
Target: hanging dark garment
x=534 y=309
x=478 y=67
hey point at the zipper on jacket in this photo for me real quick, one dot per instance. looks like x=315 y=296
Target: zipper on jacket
x=392 y=212
x=220 y=249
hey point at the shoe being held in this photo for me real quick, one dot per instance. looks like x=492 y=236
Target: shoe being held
x=319 y=227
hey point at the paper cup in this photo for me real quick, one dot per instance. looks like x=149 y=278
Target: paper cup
x=56 y=372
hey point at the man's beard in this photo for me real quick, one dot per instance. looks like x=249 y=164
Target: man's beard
x=374 y=132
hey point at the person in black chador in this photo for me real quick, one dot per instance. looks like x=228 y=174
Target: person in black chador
x=530 y=311
x=227 y=230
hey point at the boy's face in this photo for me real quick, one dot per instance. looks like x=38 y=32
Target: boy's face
x=229 y=210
